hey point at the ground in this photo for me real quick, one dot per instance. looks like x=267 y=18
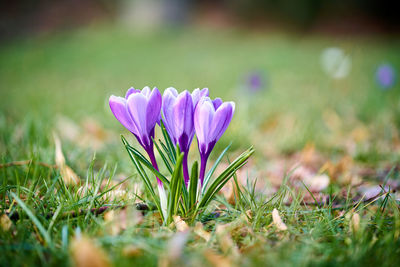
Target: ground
x=327 y=151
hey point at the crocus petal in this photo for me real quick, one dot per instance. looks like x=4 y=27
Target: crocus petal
x=217 y=102
x=137 y=108
x=221 y=120
x=183 y=113
x=119 y=109
x=183 y=119
x=168 y=101
x=197 y=94
x=171 y=90
x=153 y=109
x=131 y=91
x=146 y=91
x=203 y=118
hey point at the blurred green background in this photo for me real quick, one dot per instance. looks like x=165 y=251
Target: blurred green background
x=69 y=60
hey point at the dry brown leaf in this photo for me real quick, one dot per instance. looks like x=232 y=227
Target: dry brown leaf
x=249 y=215
x=85 y=253
x=217 y=260
x=341 y=168
x=94 y=135
x=119 y=220
x=68 y=175
x=355 y=222
x=199 y=230
x=308 y=154
x=317 y=183
x=276 y=218
x=180 y=224
x=223 y=233
x=5 y=223
x=132 y=251
x=88 y=134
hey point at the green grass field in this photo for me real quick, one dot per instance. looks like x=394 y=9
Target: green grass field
x=347 y=130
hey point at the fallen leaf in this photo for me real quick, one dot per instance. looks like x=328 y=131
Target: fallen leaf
x=355 y=222
x=180 y=224
x=132 y=251
x=317 y=183
x=199 y=230
x=89 y=133
x=119 y=220
x=85 y=253
x=68 y=129
x=5 y=223
x=249 y=215
x=280 y=225
x=341 y=171
x=68 y=175
x=223 y=233
x=217 y=260
x=308 y=154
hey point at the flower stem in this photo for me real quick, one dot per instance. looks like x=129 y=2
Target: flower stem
x=150 y=152
x=203 y=165
x=185 y=168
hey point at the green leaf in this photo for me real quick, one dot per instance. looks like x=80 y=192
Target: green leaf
x=194 y=178
x=167 y=164
x=216 y=163
x=168 y=141
x=167 y=151
x=144 y=177
x=175 y=189
x=224 y=177
x=144 y=161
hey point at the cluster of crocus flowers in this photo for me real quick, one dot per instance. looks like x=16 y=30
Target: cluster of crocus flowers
x=183 y=114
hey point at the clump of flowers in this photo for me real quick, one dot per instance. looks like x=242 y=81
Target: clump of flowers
x=181 y=116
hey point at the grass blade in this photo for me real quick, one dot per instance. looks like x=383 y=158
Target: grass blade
x=33 y=218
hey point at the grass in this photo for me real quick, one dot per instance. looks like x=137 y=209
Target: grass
x=45 y=79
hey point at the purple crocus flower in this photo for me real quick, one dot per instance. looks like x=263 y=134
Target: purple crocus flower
x=211 y=119
x=178 y=111
x=385 y=76
x=139 y=112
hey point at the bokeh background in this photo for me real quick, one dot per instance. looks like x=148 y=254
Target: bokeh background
x=306 y=73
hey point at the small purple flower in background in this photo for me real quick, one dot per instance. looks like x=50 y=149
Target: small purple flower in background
x=178 y=110
x=255 y=81
x=385 y=76
x=211 y=119
x=139 y=112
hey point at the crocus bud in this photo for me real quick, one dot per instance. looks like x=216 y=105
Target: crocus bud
x=139 y=112
x=211 y=119
x=178 y=111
